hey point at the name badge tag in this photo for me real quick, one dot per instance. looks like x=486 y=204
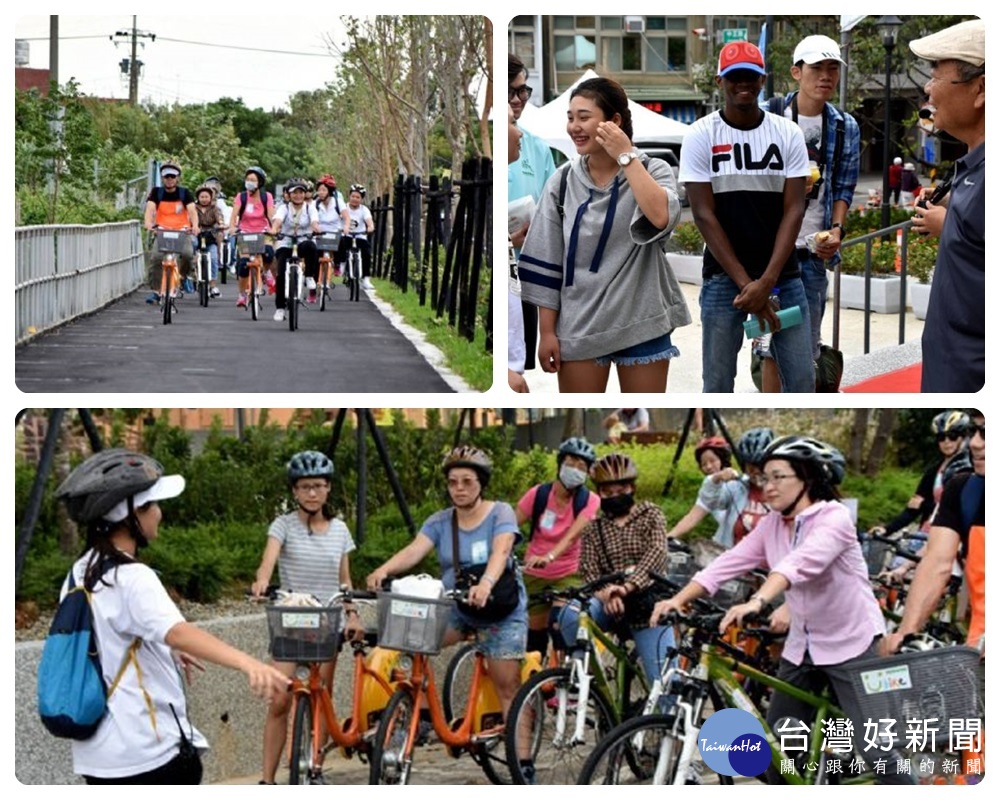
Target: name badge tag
x=548 y=519
x=480 y=552
x=249 y=208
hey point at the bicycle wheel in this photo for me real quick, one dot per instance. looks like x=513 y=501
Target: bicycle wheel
x=457 y=680
x=534 y=731
x=252 y=300
x=389 y=762
x=167 y=297
x=640 y=751
x=291 y=295
x=492 y=760
x=204 y=269
x=300 y=764
x=324 y=279
x=354 y=268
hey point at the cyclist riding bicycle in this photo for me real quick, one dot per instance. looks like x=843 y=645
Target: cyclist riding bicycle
x=630 y=538
x=210 y=221
x=170 y=207
x=486 y=531
x=809 y=545
x=331 y=209
x=296 y=218
x=310 y=546
x=558 y=512
x=360 y=225
x=253 y=209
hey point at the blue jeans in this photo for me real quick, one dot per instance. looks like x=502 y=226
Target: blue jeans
x=213 y=257
x=722 y=337
x=650 y=643
x=815 y=282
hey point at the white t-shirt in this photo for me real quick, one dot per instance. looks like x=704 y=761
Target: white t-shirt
x=134 y=604
x=328 y=215
x=360 y=217
x=812 y=131
x=294 y=221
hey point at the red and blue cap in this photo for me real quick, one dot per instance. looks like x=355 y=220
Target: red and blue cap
x=741 y=55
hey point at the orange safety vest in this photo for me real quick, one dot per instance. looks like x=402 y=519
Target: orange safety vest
x=171 y=214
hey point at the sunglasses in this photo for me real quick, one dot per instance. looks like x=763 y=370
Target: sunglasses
x=523 y=92
x=952 y=437
x=980 y=429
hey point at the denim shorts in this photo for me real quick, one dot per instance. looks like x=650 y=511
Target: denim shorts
x=648 y=352
x=502 y=640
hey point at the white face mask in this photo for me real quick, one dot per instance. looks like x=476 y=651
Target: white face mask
x=571 y=478
x=251 y=186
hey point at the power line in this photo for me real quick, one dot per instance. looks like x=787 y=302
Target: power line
x=245 y=49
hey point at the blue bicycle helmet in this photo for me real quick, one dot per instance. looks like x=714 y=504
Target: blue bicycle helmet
x=579 y=447
x=753 y=444
x=309 y=464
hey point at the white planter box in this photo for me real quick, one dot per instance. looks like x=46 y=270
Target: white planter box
x=686 y=267
x=920 y=295
x=884 y=297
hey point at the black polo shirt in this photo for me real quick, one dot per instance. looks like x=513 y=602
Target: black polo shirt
x=954 y=339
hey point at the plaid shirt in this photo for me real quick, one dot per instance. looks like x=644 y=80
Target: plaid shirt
x=640 y=543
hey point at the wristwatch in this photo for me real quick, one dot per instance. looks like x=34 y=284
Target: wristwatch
x=626 y=158
x=838 y=225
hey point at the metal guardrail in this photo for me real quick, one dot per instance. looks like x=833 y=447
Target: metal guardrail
x=867 y=240
x=65 y=271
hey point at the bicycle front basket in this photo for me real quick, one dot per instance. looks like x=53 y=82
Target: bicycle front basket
x=328 y=242
x=412 y=624
x=252 y=243
x=302 y=633
x=936 y=688
x=172 y=241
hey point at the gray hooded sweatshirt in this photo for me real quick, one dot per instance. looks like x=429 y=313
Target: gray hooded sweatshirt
x=601 y=265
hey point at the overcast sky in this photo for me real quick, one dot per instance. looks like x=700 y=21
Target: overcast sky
x=262 y=58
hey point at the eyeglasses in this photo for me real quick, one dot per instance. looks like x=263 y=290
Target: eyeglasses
x=522 y=92
x=980 y=429
x=309 y=488
x=951 y=436
x=776 y=478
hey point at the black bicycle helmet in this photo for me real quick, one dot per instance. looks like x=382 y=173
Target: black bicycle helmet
x=359 y=188
x=296 y=183
x=806 y=449
x=579 y=447
x=309 y=464
x=614 y=468
x=951 y=422
x=472 y=457
x=261 y=176
x=753 y=444
x=104 y=480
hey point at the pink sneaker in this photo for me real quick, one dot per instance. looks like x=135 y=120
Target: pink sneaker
x=241 y=301
x=312 y=296
x=269 y=280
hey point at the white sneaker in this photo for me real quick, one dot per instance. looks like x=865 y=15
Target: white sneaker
x=367 y=284
x=310 y=284
x=279 y=315
x=215 y=292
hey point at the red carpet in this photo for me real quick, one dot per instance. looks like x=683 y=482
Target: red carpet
x=906 y=379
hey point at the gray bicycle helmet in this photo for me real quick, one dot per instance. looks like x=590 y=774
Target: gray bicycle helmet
x=951 y=422
x=472 y=457
x=806 y=449
x=579 y=447
x=296 y=183
x=104 y=480
x=309 y=464
x=261 y=176
x=753 y=444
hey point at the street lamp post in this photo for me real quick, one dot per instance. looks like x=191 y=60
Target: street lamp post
x=887 y=26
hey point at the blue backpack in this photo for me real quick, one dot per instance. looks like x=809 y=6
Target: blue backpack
x=72 y=694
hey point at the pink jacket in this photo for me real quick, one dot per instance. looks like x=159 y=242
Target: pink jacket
x=834 y=613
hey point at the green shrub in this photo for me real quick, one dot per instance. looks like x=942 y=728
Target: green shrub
x=687 y=238
x=921 y=257
x=883 y=258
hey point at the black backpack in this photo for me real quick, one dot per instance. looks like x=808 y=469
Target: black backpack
x=580 y=499
x=243 y=205
x=776 y=105
x=563 y=178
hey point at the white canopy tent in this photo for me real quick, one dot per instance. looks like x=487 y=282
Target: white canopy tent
x=549 y=122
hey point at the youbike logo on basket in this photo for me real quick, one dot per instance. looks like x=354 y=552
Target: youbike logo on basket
x=732 y=743
x=892 y=679
x=405 y=608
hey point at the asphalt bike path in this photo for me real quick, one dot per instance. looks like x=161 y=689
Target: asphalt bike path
x=125 y=347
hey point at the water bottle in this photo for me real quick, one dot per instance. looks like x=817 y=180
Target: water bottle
x=763 y=341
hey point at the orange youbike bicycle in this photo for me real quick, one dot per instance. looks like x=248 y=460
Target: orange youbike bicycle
x=170 y=243
x=311 y=636
x=253 y=245
x=417 y=626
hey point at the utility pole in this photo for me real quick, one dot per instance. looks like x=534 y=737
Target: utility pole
x=133 y=63
x=54 y=49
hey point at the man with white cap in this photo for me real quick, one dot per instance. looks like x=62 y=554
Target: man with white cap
x=954 y=338
x=745 y=172
x=833 y=140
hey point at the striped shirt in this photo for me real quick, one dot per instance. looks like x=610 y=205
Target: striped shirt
x=310 y=563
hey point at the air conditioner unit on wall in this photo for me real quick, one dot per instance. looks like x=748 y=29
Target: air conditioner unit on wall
x=635 y=24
